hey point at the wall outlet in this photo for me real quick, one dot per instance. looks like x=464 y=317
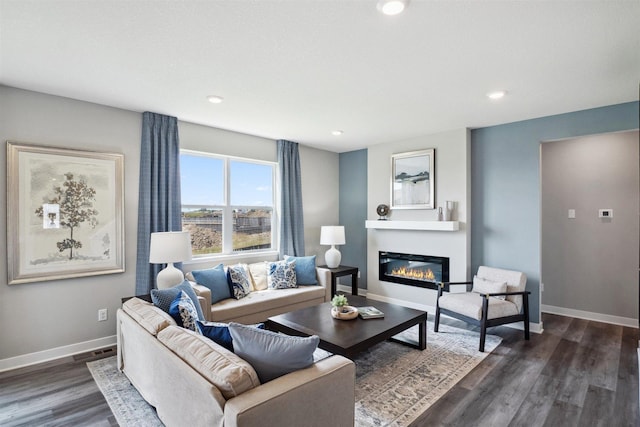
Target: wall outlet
x=541 y=287
x=102 y=315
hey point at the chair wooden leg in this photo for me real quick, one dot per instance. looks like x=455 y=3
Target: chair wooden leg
x=483 y=322
x=525 y=306
x=436 y=321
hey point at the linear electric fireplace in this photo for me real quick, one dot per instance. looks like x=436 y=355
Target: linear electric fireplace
x=423 y=271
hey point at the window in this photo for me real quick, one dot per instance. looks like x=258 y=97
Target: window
x=227 y=203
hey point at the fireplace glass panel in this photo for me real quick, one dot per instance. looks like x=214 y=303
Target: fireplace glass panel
x=414 y=270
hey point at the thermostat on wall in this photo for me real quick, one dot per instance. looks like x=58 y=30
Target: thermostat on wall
x=605 y=213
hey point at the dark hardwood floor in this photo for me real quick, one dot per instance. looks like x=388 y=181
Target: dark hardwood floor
x=57 y=393
x=578 y=373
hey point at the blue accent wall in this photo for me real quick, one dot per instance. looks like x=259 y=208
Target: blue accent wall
x=505 y=186
x=353 y=212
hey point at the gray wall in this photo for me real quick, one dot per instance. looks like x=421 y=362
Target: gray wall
x=505 y=189
x=353 y=212
x=588 y=263
x=55 y=318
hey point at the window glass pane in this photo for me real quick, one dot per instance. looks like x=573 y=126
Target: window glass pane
x=201 y=180
x=251 y=184
x=251 y=229
x=205 y=226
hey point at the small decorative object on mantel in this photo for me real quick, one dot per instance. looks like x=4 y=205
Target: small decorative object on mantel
x=383 y=211
x=341 y=310
x=450 y=213
x=440 y=218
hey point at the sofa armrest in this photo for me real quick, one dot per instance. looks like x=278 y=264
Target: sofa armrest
x=312 y=396
x=204 y=298
x=324 y=279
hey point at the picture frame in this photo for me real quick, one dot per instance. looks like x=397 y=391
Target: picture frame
x=413 y=180
x=65 y=213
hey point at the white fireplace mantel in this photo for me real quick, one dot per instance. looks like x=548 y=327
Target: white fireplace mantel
x=413 y=225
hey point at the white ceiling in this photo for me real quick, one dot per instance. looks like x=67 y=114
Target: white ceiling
x=299 y=69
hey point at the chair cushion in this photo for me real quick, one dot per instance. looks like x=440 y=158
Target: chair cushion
x=484 y=286
x=470 y=305
x=516 y=281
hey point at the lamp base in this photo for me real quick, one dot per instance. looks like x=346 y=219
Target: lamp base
x=332 y=257
x=169 y=277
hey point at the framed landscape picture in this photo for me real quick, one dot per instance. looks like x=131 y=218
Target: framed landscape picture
x=413 y=180
x=64 y=213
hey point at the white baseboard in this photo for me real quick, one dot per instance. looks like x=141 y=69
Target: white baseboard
x=533 y=327
x=588 y=315
x=55 y=353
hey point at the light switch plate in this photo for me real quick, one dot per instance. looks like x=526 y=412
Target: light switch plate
x=571 y=214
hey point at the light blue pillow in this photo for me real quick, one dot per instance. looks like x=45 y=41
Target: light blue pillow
x=271 y=354
x=305 y=269
x=216 y=280
x=219 y=332
x=281 y=275
x=184 y=312
x=162 y=298
x=238 y=278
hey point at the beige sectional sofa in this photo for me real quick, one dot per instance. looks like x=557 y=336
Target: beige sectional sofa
x=192 y=381
x=259 y=305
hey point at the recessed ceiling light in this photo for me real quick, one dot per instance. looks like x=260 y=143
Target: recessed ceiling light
x=214 y=99
x=497 y=94
x=337 y=132
x=392 y=7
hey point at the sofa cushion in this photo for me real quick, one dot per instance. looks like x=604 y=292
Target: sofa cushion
x=216 y=280
x=258 y=272
x=150 y=317
x=184 y=312
x=266 y=300
x=238 y=278
x=163 y=298
x=484 y=286
x=219 y=332
x=470 y=305
x=272 y=354
x=281 y=275
x=225 y=370
x=305 y=269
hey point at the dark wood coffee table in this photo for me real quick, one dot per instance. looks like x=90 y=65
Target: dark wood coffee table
x=349 y=337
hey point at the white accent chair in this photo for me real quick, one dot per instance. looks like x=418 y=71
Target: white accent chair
x=498 y=297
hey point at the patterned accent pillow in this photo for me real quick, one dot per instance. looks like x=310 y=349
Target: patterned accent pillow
x=281 y=275
x=162 y=298
x=184 y=312
x=239 y=281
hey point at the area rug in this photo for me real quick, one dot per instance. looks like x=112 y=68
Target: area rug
x=394 y=383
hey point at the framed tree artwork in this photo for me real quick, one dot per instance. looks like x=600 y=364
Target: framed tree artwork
x=64 y=213
x=413 y=180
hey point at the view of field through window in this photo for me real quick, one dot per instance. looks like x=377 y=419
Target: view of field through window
x=206 y=214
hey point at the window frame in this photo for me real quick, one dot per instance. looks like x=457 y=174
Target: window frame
x=228 y=209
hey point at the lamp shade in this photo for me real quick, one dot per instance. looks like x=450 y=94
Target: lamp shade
x=332 y=235
x=169 y=247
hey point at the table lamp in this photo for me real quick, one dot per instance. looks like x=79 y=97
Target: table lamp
x=332 y=235
x=167 y=248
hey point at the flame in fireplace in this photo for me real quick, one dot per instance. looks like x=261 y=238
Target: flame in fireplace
x=414 y=273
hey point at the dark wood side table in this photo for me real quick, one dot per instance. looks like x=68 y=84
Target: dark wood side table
x=343 y=270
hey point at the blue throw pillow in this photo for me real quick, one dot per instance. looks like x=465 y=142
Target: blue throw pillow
x=305 y=269
x=272 y=354
x=219 y=332
x=216 y=280
x=184 y=312
x=281 y=275
x=238 y=278
x=162 y=298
